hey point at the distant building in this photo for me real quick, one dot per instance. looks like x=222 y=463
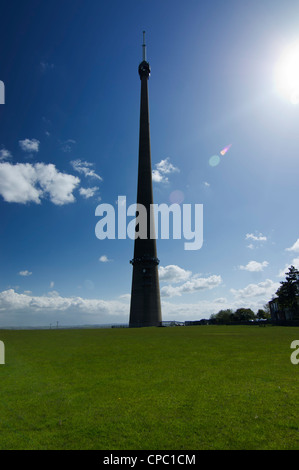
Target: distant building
x=275 y=312
x=196 y=322
x=279 y=313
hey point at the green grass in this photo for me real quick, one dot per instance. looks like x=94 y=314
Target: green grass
x=204 y=387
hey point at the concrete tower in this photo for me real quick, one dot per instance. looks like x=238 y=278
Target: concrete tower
x=145 y=294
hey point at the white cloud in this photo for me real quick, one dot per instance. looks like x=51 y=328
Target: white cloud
x=220 y=300
x=206 y=184
x=25 y=273
x=260 y=237
x=254 y=266
x=104 y=259
x=5 y=154
x=59 y=186
x=199 y=310
x=173 y=273
x=51 y=284
x=23 y=183
x=250 y=246
x=66 y=146
x=158 y=178
x=264 y=289
x=45 y=66
x=203 y=309
x=29 y=145
x=53 y=293
x=85 y=168
x=24 y=309
x=27 y=309
x=195 y=284
x=164 y=167
x=125 y=297
x=17 y=183
x=295 y=247
x=88 y=192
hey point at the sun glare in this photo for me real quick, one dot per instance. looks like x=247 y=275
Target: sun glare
x=287 y=74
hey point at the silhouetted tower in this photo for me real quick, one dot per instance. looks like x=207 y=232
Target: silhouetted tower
x=145 y=294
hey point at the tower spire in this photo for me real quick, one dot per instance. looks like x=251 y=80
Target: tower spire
x=144 y=47
x=145 y=309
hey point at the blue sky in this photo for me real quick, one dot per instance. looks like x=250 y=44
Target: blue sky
x=69 y=133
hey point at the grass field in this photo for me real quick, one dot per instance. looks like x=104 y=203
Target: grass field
x=199 y=387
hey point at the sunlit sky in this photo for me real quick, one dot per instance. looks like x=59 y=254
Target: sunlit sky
x=224 y=119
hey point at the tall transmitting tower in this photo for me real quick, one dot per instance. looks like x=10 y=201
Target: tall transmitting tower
x=145 y=307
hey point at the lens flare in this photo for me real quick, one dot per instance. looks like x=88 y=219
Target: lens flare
x=287 y=74
x=176 y=197
x=214 y=160
x=223 y=151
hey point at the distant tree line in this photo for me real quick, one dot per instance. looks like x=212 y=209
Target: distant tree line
x=287 y=300
x=240 y=315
